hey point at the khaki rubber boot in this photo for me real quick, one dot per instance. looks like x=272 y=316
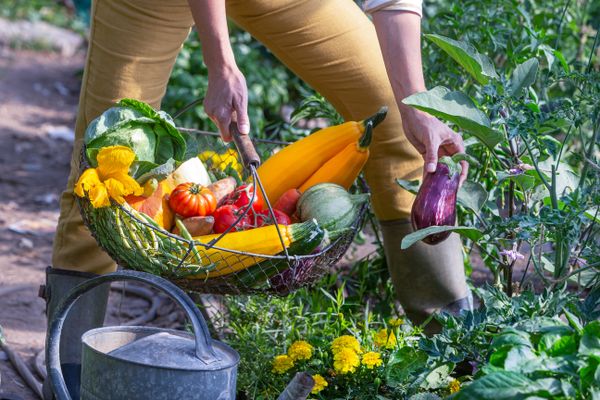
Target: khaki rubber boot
x=427 y=278
x=87 y=313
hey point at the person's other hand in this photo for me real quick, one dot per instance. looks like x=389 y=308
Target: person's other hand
x=433 y=139
x=227 y=100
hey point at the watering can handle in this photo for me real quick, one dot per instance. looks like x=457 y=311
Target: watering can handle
x=204 y=349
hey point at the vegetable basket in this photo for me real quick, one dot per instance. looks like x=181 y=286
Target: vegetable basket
x=135 y=242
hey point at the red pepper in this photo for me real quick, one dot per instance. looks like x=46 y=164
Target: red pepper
x=264 y=217
x=227 y=215
x=242 y=196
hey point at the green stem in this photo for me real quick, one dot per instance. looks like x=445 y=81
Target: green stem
x=365 y=140
x=539 y=172
x=377 y=118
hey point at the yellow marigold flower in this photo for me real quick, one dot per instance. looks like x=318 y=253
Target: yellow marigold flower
x=300 y=350
x=454 y=386
x=320 y=384
x=396 y=322
x=372 y=359
x=282 y=364
x=345 y=361
x=383 y=339
x=345 y=342
x=110 y=179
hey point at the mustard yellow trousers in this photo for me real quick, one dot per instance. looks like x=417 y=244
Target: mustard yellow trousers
x=331 y=45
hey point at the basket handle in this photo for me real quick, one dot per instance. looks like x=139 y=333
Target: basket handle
x=204 y=349
x=245 y=147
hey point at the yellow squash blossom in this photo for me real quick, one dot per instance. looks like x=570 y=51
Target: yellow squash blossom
x=343 y=342
x=300 y=350
x=372 y=359
x=320 y=384
x=222 y=161
x=110 y=180
x=383 y=339
x=282 y=364
x=454 y=386
x=345 y=361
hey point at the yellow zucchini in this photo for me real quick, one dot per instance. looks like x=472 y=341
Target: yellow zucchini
x=295 y=164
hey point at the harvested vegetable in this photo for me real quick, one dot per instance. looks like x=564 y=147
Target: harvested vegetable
x=264 y=240
x=264 y=217
x=110 y=180
x=227 y=215
x=222 y=188
x=190 y=200
x=192 y=170
x=197 y=226
x=435 y=204
x=295 y=164
x=156 y=206
x=242 y=196
x=344 y=168
x=288 y=201
x=331 y=206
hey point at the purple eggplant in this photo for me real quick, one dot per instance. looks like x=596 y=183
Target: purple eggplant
x=435 y=204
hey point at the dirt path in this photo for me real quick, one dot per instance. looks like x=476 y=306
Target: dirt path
x=38 y=94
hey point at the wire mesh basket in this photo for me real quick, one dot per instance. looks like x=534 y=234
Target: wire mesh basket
x=136 y=242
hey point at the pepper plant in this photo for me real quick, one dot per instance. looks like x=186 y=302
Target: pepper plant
x=533 y=125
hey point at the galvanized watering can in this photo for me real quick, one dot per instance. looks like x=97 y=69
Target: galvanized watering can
x=137 y=362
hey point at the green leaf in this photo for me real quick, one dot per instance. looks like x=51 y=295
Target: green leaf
x=497 y=386
x=438 y=377
x=411 y=186
x=403 y=363
x=563 y=61
x=527 y=180
x=412 y=238
x=472 y=195
x=425 y=396
x=590 y=340
x=458 y=108
x=511 y=337
x=147 y=171
x=478 y=65
x=524 y=75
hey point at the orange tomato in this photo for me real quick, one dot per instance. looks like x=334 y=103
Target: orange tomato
x=192 y=200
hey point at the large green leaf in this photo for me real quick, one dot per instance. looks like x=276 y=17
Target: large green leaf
x=458 y=108
x=472 y=195
x=590 y=340
x=412 y=238
x=478 y=65
x=524 y=75
x=497 y=386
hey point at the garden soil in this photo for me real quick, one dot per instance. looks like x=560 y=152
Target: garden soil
x=38 y=102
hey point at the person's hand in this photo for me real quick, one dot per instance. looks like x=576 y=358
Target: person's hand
x=227 y=100
x=433 y=139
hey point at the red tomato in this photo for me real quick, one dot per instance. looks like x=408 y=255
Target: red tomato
x=226 y=215
x=264 y=218
x=192 y=200
x=242 y=196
